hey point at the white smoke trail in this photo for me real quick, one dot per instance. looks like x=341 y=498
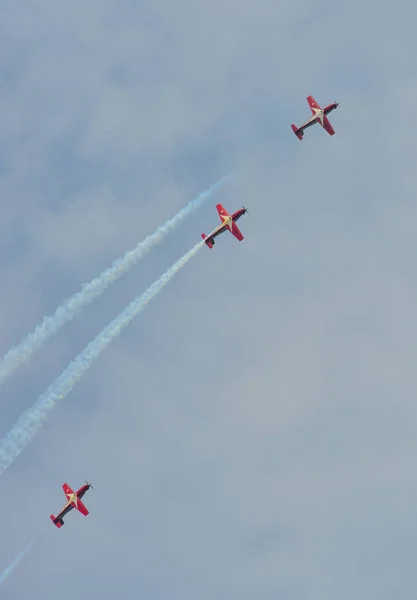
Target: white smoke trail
x=8 y=571
x=31 y=421
x=94 y=288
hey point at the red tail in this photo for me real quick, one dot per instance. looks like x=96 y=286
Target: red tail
x=297 y=132
x=58 y=523
x=209 y=243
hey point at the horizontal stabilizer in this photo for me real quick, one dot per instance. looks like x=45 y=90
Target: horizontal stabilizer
x=57 y=522
x=209 y=242
x=298 y=132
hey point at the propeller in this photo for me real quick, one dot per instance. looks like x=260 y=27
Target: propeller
x=337 y=103
x=245 y=209
x=89 y=484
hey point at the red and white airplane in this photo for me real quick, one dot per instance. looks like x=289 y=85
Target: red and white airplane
x=319 y=116
x=228 y=222
x=74 y=501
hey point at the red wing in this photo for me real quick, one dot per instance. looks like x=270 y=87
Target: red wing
x=222 y=212
x=313 y=104
x=327 y=126
x=67 y=490
x=81 y=507
x=236 y=232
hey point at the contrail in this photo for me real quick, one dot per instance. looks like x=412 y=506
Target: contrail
x=31 y=421
x=9 y=570
x=69 y=309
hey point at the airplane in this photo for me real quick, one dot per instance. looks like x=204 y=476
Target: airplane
x=319 y=116
x=74 y=501
x=228 y=222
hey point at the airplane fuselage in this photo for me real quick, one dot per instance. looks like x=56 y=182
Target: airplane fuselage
x=319 y=114
x=83 y=490
x=227 y=222
x=73 y=500
x=238 y=214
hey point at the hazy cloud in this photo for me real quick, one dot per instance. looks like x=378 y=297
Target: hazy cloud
x=253 y=433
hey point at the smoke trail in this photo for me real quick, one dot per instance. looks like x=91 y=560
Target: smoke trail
x=9 y=570
x=94 y=288
x=31 y=421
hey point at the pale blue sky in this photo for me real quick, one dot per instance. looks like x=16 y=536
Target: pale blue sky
x=253 y=433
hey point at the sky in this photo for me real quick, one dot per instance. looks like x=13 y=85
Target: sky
x=252 y=434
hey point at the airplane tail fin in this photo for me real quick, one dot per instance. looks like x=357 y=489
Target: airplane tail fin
x=208 y=242
x=57 y=522
x=297 y=132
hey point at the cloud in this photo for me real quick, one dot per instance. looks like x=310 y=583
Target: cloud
x=264 y=437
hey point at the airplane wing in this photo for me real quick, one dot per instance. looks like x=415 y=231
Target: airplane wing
x=327 y=126
x=222 y=211
x=313 y=104
x=81 y=507
x=236 y=232
x=67 y=490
